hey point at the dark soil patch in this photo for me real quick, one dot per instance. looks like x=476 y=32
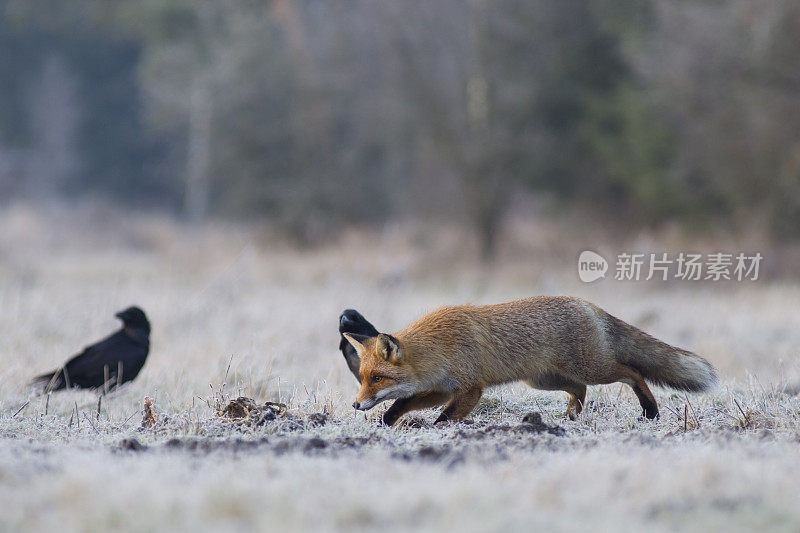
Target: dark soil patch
x=212 y=445
x=131 y=444
x=444 y=454
x=317 y=419
x=290 y=437
x=531 y=423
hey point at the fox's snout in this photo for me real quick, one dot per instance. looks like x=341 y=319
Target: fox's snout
x=365 y=405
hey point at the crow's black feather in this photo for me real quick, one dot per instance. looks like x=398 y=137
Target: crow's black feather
x=97 y=366
x=351 y=321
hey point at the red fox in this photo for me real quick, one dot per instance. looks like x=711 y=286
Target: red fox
x=552 y=343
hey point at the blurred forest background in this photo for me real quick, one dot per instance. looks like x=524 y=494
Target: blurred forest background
x=311 y=114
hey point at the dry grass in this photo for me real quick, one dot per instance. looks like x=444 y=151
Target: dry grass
x=236 y=314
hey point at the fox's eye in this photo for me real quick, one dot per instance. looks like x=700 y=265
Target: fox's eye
x=377 y=379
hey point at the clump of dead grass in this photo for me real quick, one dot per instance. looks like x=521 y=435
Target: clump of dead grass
x=149 y=415
x=246 y=411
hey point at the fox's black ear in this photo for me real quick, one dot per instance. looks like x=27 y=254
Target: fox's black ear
x=356 y=341
x=388 y=348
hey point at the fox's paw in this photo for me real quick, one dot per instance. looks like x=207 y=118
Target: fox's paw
x=574 y=408
x=650 y=413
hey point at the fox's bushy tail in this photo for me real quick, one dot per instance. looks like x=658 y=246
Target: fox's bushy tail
x=657 y=361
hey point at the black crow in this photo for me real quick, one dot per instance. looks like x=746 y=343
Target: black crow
x=351 y=321
x=114 y=360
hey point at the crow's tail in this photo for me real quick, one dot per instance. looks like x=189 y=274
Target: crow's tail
x=50 y=381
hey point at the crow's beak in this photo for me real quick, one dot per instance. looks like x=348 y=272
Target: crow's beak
x=120 y=315
x=344 y=319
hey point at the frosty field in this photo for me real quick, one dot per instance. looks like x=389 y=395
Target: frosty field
x=236 y=313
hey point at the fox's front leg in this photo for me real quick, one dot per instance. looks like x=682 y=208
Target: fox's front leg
x=419 y=401
x=461 y=405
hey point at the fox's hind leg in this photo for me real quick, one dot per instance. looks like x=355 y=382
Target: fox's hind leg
x=419 y=401
x=461 y=405
x=642 y=391
x=555 y=381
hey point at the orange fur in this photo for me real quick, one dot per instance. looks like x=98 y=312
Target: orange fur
x=553 y=343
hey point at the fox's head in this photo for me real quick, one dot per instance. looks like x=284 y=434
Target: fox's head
x=384 y=376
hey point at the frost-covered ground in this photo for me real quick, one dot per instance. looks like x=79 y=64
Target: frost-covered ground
x=235 y=314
